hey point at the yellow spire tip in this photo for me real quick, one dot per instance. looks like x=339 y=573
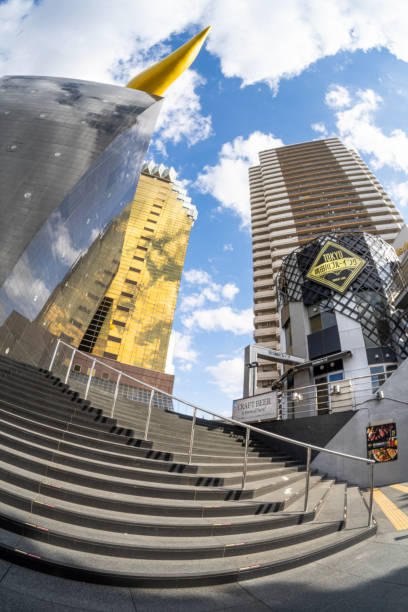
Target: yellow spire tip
x=156 y=79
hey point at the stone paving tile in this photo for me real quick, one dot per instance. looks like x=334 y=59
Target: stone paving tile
x=378 y=561
x=13 y=601
x=78 y=595
x=200 y=599
x=4 y=566
x=319 y=588
x=311 y=585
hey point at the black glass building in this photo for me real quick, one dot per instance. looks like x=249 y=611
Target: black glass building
x=337 y=298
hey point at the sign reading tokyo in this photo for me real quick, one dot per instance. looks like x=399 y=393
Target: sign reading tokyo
x=256 y=408
x=335 y=267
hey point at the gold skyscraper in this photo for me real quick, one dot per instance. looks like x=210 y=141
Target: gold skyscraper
x=143 y=293
x=132 y=278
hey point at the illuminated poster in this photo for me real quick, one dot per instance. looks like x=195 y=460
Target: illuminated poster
x=335 y=267
x=382 y=444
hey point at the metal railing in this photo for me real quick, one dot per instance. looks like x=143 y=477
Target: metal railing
x=327 y=397
x=67 y=361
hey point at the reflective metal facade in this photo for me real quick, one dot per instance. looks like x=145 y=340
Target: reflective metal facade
x=70 y=158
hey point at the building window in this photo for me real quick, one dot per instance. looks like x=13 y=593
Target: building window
x=379 y=375
x=91 y=335
x=119 y=323
x=321 y=320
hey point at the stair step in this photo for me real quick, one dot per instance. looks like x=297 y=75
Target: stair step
x=138 y=487
x=91 y=567
x=130 y=545
x=120 y=501
x=79 y=450
x=100 y=467
x=85 y=496
x=101 y=439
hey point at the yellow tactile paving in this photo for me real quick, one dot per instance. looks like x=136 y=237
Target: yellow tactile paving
x=400 y=487
x=397 y=517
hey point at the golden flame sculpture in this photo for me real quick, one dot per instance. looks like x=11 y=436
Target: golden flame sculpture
x=156 y=79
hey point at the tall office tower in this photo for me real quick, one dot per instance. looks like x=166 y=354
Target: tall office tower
x=132 y=277
x=297 y=193
x=134 y=319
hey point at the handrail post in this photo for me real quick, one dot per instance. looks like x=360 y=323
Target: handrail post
x=193 y=423
x=353 y=395
x=70 y=366
x=149 y=414
x=245 y=465
x=54 y=354
x=309 y=453
x=88 y=384
x=370 y=506
x=115 y=395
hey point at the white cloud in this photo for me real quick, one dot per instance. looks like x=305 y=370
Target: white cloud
x=228 y=247
x=109 y=42
x=190 y=302
x=186 y=367
x=229 y=291
x=220 y=319
x=357 y=129
x=228 y=376
x=199 y=277
x=227 y=181
x=399 y=192
x=61 y=241
x=25 y=289
x=181 y=350
x=320 y=128
x=337 y=97
x=255 y=41
x=209 y=290
x=267 y=41
x=181 y=114
x=212 y=293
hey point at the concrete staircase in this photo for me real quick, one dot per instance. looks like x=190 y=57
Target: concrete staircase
x=84 y=496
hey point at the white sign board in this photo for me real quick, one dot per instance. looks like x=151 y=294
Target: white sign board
x=278 y=356
x=255 y=408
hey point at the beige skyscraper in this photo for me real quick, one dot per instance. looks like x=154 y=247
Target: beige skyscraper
x=299 y=192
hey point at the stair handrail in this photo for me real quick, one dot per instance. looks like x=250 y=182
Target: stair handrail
x=248 y=428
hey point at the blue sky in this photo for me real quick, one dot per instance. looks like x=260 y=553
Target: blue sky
x=271 y=73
